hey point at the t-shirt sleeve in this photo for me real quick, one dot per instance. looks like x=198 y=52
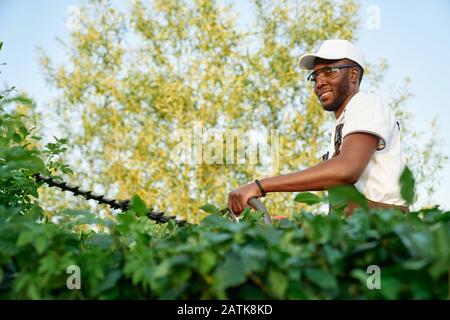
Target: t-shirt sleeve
x=369 y=115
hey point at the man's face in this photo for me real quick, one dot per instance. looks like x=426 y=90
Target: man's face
x=333 y=90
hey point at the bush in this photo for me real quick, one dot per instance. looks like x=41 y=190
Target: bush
x=308 y=257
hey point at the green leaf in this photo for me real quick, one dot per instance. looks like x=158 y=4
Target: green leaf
x=407 y=185
x=41 y=243
x=102 y=241
x=23 y=131
x=247 y=215
x=418 y=243
x=344 y=195
x=322 y=278
x=36 y=138
x=206 y=261
x=415 y=264
x=322 y=229
x=25 y=237
x=333 y=255
x=278 y=283
x=210 y=208
x=214 y=220
x=308 y=198
x=230 y=273
x=253 y=258
x=66 y=169
x=109 y=282
x=268 y=233
x=442 y=237
x=390 y=287
x=421 y=289
x=48 y=263
x=22 y=100
x=89 y=219
x=360 y=275
x=138 y=206
x=216 y=238
x=17 y=138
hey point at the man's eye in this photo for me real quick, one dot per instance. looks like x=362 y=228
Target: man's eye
x=328 y=72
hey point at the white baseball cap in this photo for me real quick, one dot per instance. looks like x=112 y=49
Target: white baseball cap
x=334 y=49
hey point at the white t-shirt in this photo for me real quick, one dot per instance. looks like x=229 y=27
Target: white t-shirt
x=366 y=112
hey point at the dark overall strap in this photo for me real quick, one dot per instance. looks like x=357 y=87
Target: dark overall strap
x=337 y=140
x=337 y=143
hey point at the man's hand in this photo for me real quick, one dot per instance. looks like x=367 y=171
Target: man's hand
x=238 y=198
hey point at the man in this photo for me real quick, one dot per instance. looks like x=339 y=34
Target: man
x=365 y=148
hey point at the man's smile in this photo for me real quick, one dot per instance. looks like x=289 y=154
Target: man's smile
x=324 y=95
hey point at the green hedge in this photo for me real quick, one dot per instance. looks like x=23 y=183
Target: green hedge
x=308 y=257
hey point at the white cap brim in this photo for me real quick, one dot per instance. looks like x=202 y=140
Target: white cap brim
x=306 y=61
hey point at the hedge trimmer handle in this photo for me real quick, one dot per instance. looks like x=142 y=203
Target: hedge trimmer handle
x=255 y=203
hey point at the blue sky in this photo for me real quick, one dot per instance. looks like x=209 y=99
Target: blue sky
x=414 y=36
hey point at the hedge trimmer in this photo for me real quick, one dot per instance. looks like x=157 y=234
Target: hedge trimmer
x=125 y=205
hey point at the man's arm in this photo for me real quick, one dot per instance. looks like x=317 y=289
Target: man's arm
x=356 y=151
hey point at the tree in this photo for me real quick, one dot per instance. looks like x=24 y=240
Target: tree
x=136 y=79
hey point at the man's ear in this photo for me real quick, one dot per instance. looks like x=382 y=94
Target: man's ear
x=354 y=75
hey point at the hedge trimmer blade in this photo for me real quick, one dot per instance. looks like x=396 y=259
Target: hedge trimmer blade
x=123 y=205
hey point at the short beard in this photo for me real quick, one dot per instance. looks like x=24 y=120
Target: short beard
x=332 y=107
x=343 y=90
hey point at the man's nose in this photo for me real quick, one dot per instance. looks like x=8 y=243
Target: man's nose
x=319 y=82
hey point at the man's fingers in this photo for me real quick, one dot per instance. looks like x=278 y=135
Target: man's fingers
x=241 y=203
x=233 y=203
x=236 y=209
x=237 y=203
